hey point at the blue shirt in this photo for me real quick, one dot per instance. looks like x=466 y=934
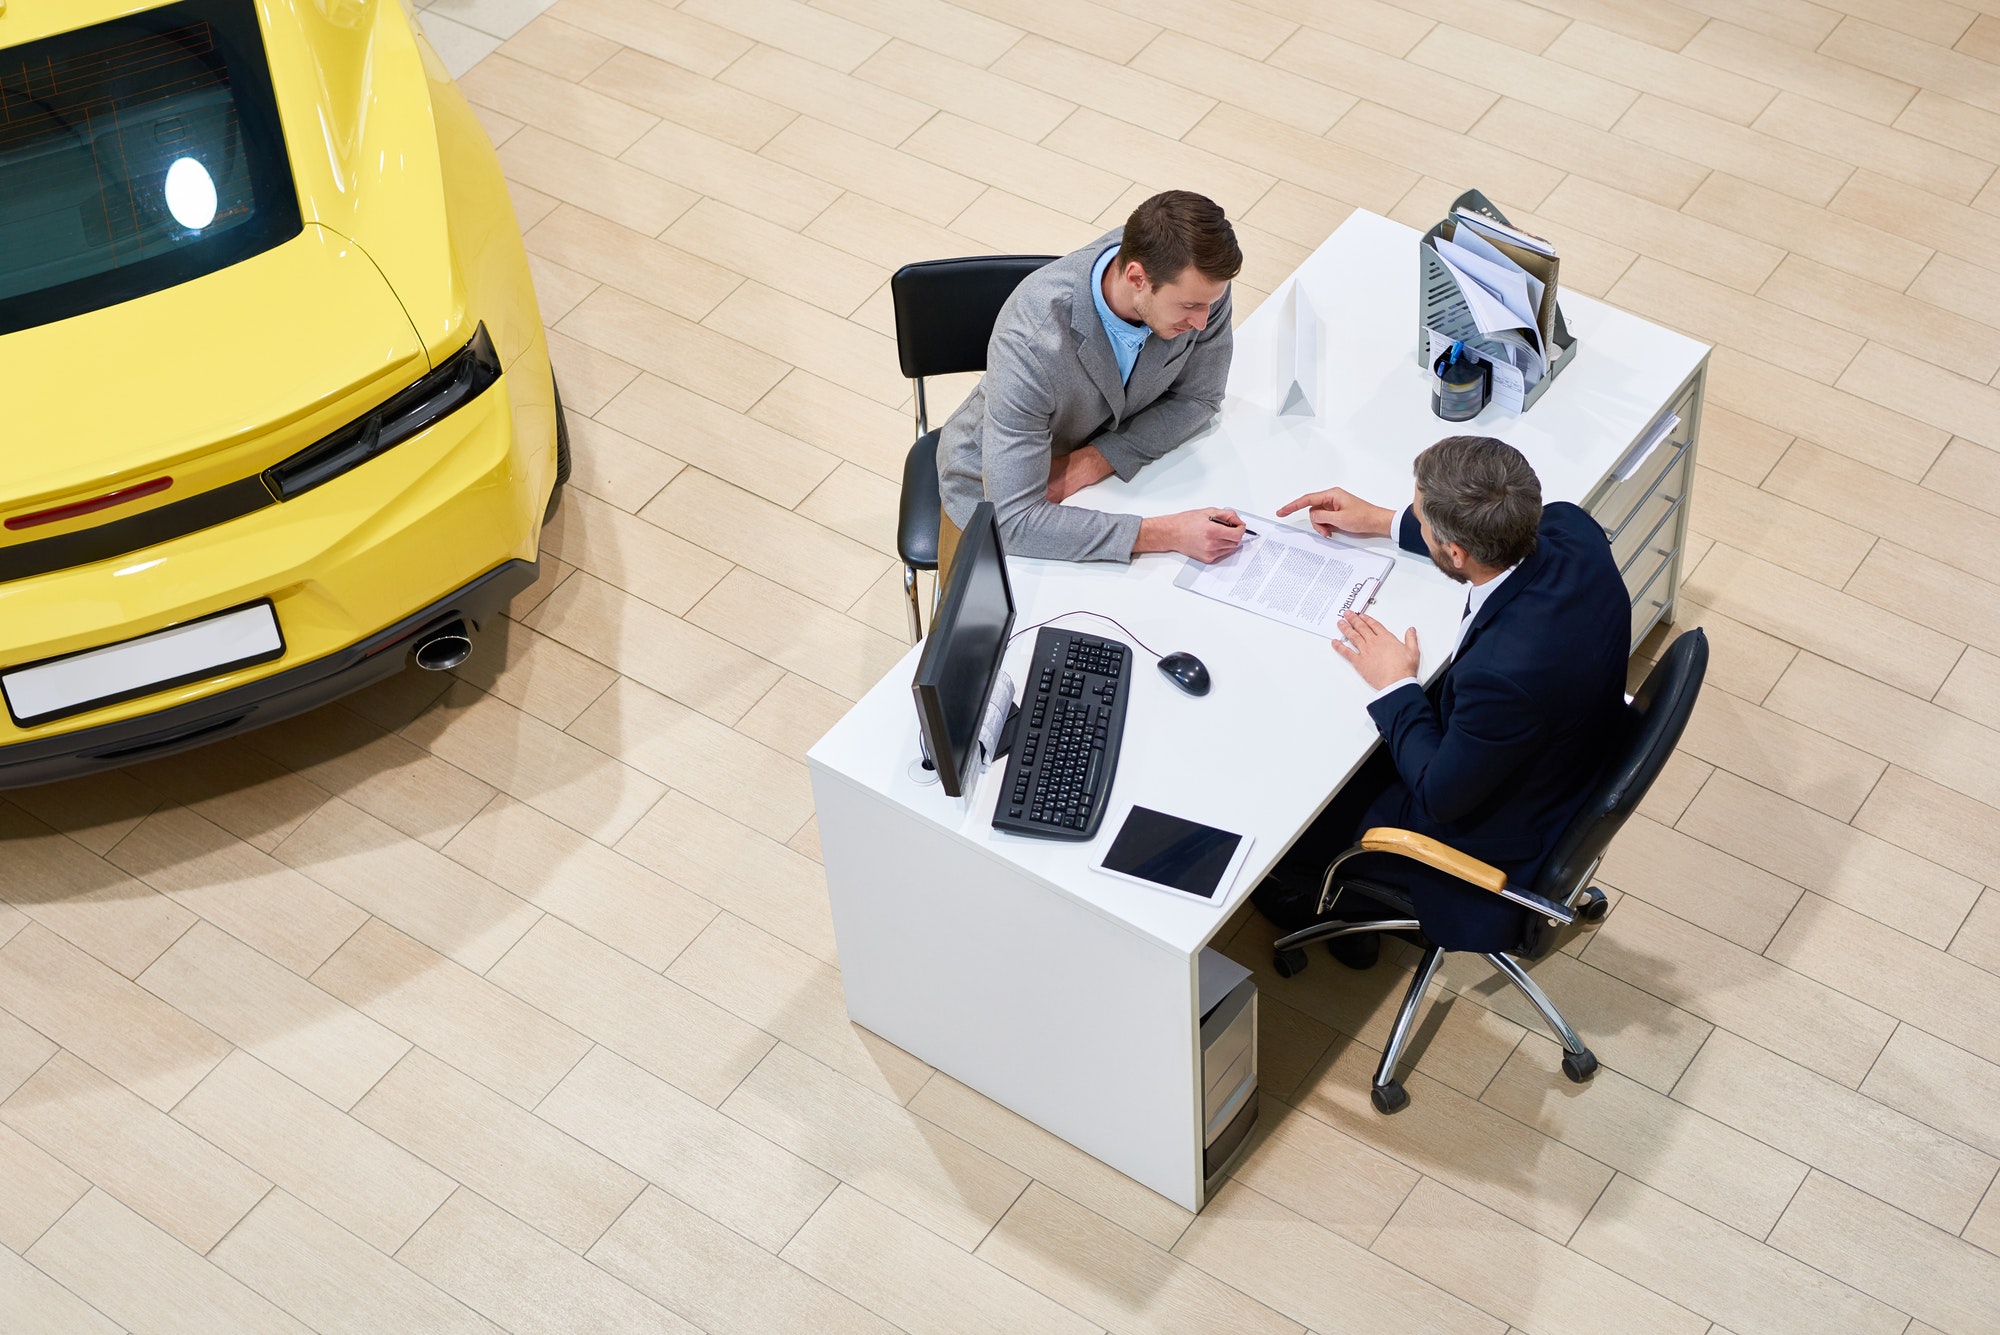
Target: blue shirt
x=1126 y=339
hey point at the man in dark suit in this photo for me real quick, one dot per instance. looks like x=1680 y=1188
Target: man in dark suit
x=1496 y=756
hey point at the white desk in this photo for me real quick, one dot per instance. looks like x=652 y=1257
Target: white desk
x=1067 y=995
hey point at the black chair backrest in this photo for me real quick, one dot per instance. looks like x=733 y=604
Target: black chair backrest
x=1654 y=722
x=945 y=309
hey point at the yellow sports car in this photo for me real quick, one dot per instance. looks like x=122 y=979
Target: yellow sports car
x=276 y=411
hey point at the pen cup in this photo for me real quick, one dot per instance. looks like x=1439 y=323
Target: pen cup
x=1461 y=388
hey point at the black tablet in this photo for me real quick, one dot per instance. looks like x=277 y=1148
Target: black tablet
x=1169 y=853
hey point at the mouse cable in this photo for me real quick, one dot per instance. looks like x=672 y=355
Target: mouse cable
x=1081 y=612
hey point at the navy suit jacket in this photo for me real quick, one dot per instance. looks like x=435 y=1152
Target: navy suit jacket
x=1497 y=756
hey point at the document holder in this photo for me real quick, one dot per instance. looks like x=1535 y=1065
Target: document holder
x=1442 y=310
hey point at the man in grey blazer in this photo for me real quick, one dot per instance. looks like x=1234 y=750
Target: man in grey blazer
x=1100 y=363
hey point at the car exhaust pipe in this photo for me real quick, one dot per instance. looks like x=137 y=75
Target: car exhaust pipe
x=445 y=648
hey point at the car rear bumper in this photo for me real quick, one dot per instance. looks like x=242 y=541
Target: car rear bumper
x=265 y=700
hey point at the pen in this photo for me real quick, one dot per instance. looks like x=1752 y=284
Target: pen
x=1217 y=519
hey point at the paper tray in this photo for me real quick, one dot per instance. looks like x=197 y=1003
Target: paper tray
x=1441 y=306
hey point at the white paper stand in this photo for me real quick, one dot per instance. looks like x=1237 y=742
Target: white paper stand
x=1298 y=356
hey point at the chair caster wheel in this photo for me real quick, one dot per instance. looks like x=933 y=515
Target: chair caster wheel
x=1288 y=963
x=1579 y=1067
x=1389 y=1098
x=1594 y=906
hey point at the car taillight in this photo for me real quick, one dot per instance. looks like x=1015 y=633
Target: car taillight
x=458 y=381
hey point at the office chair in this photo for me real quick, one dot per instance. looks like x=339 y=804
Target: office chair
x=945 y=311
x=1562 y=893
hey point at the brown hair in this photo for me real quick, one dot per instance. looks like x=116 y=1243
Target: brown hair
x=1481 y=494
x=1175 y=229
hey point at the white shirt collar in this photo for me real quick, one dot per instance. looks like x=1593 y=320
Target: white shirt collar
x=1476 y=599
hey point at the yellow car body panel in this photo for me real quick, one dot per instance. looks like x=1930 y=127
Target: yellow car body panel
x=408 y=245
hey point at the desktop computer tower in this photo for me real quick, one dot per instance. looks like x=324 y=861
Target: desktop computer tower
x=1228 y=1065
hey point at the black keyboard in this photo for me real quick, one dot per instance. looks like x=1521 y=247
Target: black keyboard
x=1066 y=743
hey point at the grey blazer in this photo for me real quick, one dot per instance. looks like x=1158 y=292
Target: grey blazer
x=1051 y=385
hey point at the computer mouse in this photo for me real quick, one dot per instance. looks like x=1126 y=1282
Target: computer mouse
x=1187 y=672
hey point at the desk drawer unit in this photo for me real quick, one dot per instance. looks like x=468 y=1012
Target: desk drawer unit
x=1645 y=515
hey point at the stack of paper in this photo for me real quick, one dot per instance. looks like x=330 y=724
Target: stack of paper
x=1507 y=279
x=1291 y=575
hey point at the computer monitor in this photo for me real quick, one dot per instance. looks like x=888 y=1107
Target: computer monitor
x=962 y=653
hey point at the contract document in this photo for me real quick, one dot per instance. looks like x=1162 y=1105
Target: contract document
x=1291 y=575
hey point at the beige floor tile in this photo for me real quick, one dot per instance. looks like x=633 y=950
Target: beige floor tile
x=665 y=34
x=1250 y=1241
x=407 y=885
x=1095 y=1268
x=1960 y=288
x=959 y=90
x=581 y=881
x=508 y=1155
x=1840 y=421
x=1852 y=868
x=1168 y=105
x=1516 y=23
x=612 y=189
x=1984 y=1230
x=491 y=1261
x=1827 y=80
x=40 y=1304
x=1728 y=258
x=1898 y=727
x=1389 y=28
x=806 y=841
x=39 y=1190
x=1467 y=1145
x=144 y=1280
x=1050 y=1160
x=777 y=466
x=676 y=1034
x=557 y=47
x=798 y=634
x=369 y=1186
x=1726 y=146
x=1894 y=973
x=793 y=26
x=1911 y=324
x=535 y=762
x=376 y=772
x=793 y=716
x=1771 y=1005
x=84 y=899
x=1699 y=883
x=1832 y=240
x=1957 y=604
x=538 y=675
x=1943 y=1280
x=884 y=237
x=1461 y=1045
x=1395 y=136
x=804 y=335
x=858 y=504
x=1275 y=150
x=1948 y=121
x=1297 y=214
x=836 y=419
x=238 y=888
x=112 y=1023
x=1744 y=661
x=938 y=26
x=539 y=98
x=266 y=1009
x=1784 y=756
x=914 y=1278
x=1540 y=82
x=777 y=256
x=1356 y=68
x=774 y=542
x=530 y=207
x=688 y=1262
x=1914 y=60
x=1665 y=70
x=1243 y=81
x=794 y=997
x=1781 y=532
x=1941 y=521
x=659 y=649
x=720 y=124
x=1934 y=822
x=1538 y=1285
x=840 y=99
x=924 y=1172
x=391 y=704
x=475 y=1025
x=96 y=811
x=663 y=343
x=134 y=1151
x=1939 y=1084
x=1739 y=447
x=904 y=180
x=1703 y=1161
x=316 y=1270
x=1677 y=785
x=614 y=467
x=1661 y=178
x=1325 y=1175
x=1704 y=1265
x=715 y=1164
x=594 y=377
x=1011 y=225
x=1716 y=313
x=1838 y=1131
x=1082 y=23
x=668 y=275
x=1876 y=147
x=1918 y=216
x=1979 y=939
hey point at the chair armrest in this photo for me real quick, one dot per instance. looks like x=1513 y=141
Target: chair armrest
x=1462 y=866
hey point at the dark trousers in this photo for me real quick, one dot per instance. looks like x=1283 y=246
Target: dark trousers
x=1289 y=896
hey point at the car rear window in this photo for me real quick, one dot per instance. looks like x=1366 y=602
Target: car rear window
x=134 y=155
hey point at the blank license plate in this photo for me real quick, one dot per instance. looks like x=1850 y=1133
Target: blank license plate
x=76 y=683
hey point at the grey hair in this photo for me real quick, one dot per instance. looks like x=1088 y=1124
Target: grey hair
x=1480 y=493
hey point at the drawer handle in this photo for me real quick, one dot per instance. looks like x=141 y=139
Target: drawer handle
x=1666 y=470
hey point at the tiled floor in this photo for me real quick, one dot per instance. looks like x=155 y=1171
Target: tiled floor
x=509 y=999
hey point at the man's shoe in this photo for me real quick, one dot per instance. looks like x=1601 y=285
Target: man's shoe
x=1357 y=952
x=1288 y=896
